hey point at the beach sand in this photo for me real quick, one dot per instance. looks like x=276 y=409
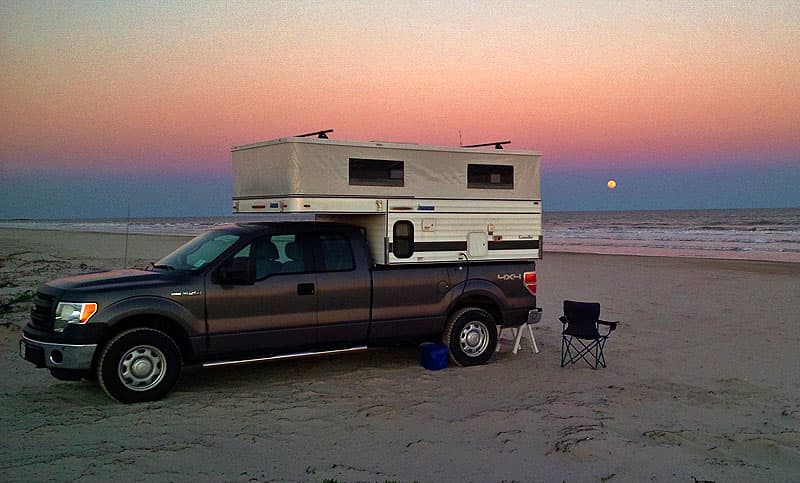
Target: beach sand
x=702 y=384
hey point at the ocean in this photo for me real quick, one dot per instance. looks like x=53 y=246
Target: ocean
x=751 y=234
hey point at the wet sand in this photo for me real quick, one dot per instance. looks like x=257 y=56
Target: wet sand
x=702 y=383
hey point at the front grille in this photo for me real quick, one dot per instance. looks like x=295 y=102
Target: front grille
x=43 y=311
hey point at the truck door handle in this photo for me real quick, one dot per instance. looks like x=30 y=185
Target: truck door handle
x=305 y=289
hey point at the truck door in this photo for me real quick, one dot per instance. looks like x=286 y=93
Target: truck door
x=343 y=292
x=277 y=312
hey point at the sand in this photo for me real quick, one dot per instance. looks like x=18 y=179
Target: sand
x=702 y=384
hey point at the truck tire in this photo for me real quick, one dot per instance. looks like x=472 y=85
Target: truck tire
x=138 y=365
x=471 y=336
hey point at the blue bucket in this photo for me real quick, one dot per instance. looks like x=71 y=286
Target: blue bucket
x=434 y=356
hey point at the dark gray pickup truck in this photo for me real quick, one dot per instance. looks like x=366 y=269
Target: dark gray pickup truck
x=254 y=292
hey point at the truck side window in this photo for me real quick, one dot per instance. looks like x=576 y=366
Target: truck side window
x=265 y=254
x=403 y=239
x=276 y=254
x=337 y=255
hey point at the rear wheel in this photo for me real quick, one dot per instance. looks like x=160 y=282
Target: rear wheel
x=138 y=365
x=471 y=336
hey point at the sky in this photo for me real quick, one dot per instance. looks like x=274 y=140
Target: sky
x=110 y=105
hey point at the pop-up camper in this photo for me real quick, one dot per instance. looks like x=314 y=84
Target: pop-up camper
x=418 y=204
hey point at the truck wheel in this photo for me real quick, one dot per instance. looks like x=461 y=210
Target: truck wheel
x=138 y=365
x=471 y=336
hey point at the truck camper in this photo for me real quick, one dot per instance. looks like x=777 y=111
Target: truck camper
x=418 y=204
x=409 y=243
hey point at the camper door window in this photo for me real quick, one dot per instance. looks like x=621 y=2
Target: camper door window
x=403 y=239
x=376 y=172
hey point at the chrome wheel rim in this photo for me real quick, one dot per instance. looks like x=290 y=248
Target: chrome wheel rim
x=142 y=368
x=474 y=338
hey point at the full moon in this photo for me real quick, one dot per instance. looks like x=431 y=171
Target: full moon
x=611 y=184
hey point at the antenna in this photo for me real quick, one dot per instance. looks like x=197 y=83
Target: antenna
x=319 y=134
x=127 y=234
x=459 y=139
x=496 y=144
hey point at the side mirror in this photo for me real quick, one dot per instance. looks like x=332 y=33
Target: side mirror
x=238 y=271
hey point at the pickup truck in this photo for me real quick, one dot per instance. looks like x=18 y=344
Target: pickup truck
x=254 y=292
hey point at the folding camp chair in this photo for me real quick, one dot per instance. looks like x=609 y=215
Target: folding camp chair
x=582 y=325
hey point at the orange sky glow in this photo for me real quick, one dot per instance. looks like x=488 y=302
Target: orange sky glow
x=146 y=86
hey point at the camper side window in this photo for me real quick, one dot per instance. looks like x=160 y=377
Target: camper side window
x=376 y=172
x=491 y=176
x=403 y=239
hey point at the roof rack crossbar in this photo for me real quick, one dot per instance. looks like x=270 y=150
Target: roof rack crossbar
x=319 y=134
x=496 y=144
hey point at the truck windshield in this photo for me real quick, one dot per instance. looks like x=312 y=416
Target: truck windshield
x=199 y=252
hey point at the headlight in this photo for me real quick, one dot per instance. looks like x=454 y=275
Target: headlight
x=73 y=313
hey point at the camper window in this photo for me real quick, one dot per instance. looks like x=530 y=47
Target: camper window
x=491 y=176
x=376 y=172
x=403 y=239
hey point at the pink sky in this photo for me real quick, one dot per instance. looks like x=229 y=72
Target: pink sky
x=142 y=86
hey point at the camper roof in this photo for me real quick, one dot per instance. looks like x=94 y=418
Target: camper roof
x=306 y=167
x=383 y=144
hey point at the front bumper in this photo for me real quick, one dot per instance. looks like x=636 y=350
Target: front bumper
x=57 y=356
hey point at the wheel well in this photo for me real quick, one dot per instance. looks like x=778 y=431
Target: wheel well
x=481 y=302
x=159 y=322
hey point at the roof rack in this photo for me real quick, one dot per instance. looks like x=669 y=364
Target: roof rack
x=319 y=134
x=496 y=144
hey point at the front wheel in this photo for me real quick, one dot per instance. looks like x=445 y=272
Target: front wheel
x=138 y=365
x=471 y=336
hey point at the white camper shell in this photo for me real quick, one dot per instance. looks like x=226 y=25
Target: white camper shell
x=418 y=204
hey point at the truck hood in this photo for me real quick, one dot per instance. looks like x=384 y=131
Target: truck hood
x=116 y=280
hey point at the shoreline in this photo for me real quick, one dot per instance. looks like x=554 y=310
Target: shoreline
x=108 y=246
x=603 y=251
x=682 y=254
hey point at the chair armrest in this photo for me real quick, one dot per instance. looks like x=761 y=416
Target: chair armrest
x=612 y=325
x=564 y=320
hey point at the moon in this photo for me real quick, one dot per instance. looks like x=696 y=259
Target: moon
x=611 y=184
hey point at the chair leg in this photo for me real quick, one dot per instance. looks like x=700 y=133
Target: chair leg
x=519 y=332
x=587 y=350
x=593 y=350
x=601 y=358
x=598 y=352
x=534 y=347
x=571 y=353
